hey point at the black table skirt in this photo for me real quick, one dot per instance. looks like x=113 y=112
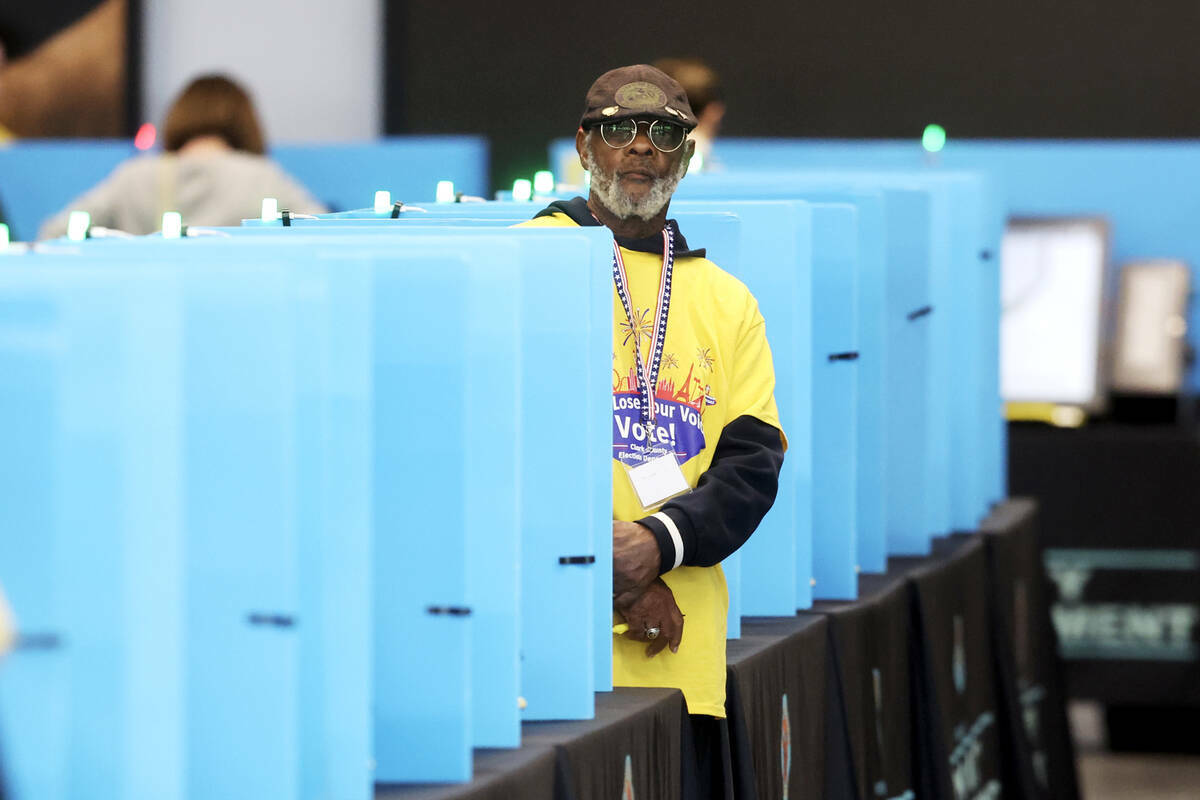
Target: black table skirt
x=939 y=682
x=870 y=641
x=779 y=705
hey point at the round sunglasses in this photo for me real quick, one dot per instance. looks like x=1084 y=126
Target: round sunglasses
x=667 y=137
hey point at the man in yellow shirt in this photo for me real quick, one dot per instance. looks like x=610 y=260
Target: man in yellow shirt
x=697 y=444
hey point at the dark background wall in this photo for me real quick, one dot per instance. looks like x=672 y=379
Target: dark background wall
x=518 y=71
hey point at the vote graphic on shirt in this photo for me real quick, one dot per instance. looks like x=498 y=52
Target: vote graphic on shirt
x=679 y=411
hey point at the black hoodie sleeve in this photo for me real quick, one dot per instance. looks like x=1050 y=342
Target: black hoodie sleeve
x=712 y=521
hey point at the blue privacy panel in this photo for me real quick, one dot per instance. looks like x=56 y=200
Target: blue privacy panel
x=420 y=504
x=486 y=481
x=869 y=371
x=34 y=682
x=559 y=403
x=907 y=326
x=92 y=570
x=831 y=409
x=907 y=309
x=230 y=353
x=332 y=330
x=565 y=364
x=555 y=386
x=347 y=175
x=775 y=262
x=835 y=401
x=302 y=481
x=962 y=400
x=720 y=234
x=869 y=456
x=965 y=459
x=564 y=380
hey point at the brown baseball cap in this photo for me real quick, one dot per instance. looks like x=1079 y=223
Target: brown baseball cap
x=639 y=90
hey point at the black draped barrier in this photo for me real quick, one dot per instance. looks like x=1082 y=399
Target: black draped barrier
x=779 y=691
x=938 y=683
x=527 y=772
x=1030 y=671
x=958 y=742
x=633 y=748
x=1118 y=516
x=870 y=640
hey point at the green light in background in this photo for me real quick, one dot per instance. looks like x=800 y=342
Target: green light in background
x=934 y=138
x=77 y=225
x=172 y=225
x=543 y=182
x=522 y=190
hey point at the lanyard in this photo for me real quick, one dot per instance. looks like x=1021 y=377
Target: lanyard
x=647 y=374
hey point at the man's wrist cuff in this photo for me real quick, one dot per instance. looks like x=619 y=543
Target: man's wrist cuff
x=670 y=539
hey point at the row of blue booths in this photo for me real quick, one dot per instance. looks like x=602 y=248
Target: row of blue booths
x=291 y=509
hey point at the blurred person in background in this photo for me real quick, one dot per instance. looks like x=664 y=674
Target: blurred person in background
x=703 y=88
x=213 y=171
x=8 y=628
x=64 y=69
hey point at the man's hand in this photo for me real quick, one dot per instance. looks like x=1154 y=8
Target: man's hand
x=635 y=558
x=654 y=608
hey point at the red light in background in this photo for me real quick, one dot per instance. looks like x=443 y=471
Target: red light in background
x=145 y=136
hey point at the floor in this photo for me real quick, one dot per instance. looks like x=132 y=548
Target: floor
x=1117 y=776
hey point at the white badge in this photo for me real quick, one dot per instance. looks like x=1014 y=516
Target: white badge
x=657 y=480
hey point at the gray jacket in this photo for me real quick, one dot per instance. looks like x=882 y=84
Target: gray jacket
x=221 y=188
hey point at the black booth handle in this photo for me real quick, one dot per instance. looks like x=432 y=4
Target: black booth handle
x=38 y=641
x=850 y=356
x=923 y=311
x=449 y=611
x=576 y=559
x=275 y=620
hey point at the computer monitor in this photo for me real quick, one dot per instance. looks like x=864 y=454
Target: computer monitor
x=1054 y=276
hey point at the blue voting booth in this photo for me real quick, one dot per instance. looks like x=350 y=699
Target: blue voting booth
x=1142 y=187
x=331 y=499
x=777 y=561
x=407 y=315
x=906 y=232
x=552 y=381
x=197 y=503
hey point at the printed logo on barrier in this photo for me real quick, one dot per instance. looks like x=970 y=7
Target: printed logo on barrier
x=877 y=685
x=627 y=791
x=679 y=409
x=960 y=656
x=785 y=747
x=1023 y=646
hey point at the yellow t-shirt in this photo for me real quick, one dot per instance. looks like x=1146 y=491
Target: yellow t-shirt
x=716 y=367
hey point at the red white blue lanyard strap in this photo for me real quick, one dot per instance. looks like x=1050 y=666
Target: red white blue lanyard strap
x=647 y=374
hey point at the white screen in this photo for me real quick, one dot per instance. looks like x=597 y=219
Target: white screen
x=1052 y=287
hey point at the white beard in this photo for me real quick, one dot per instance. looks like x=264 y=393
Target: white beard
x=607 y=187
